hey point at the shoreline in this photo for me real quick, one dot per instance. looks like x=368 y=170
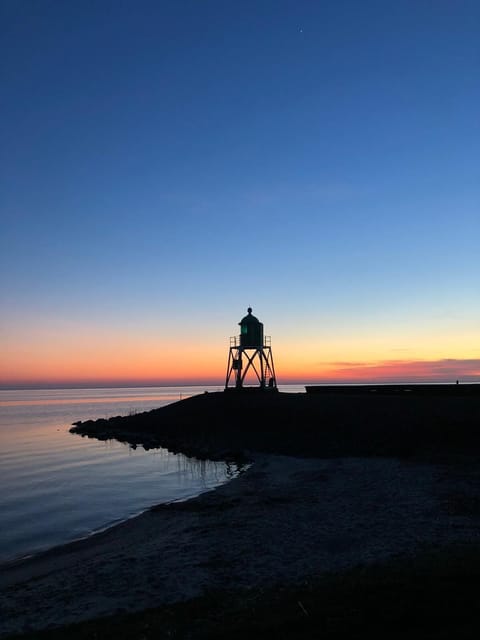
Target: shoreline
x=365 y=482
x=283 y=521
x=6 y=563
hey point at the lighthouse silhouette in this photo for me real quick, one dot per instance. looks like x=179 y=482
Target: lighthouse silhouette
x=251 y=351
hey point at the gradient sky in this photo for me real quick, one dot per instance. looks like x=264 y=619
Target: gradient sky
x=165 y=164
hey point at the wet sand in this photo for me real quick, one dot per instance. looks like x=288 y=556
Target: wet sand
x=284 y=520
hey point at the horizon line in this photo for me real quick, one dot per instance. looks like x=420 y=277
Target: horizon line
x=44 y=386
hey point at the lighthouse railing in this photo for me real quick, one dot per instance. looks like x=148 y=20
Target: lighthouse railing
x=235 y=341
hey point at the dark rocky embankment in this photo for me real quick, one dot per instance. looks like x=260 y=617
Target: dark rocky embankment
x=229 y=425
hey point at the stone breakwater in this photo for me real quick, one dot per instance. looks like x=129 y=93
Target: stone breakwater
x=229 y=425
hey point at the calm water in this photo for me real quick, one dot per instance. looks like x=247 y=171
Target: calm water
x=57 y=487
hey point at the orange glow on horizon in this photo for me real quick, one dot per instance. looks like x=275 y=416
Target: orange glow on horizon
x=446 y=370
x=108 y=359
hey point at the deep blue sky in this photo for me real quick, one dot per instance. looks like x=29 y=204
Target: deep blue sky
x=166 y=164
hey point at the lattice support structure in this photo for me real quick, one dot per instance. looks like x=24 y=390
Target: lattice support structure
x=257 y=360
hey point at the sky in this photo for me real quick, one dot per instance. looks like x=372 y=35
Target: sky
x=166 y=164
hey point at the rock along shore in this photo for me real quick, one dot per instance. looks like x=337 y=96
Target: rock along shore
x=226 y=425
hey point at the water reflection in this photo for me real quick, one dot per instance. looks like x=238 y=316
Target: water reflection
x=140 y=395
x=57 y=487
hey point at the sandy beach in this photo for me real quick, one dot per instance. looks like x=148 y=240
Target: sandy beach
x=282 y=521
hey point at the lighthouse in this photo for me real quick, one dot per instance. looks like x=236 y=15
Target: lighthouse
x=250 y=353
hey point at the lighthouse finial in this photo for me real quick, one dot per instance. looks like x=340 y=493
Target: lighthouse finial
x=249 y=309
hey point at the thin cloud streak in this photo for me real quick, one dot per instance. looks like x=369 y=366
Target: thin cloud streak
x=445 y=370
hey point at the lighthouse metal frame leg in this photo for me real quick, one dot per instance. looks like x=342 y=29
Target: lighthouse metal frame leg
x=269 y=367
x=233 y=361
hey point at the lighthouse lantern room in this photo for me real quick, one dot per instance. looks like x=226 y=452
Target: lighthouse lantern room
x=250 y=353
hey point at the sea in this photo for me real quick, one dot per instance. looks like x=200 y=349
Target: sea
x=56 y=487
